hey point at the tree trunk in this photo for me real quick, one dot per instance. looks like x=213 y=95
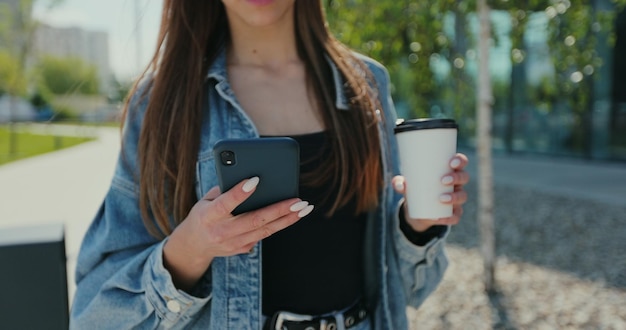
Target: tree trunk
x=12 y=124
x=485 y=171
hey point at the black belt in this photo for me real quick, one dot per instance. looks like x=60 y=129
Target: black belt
x=290 y=321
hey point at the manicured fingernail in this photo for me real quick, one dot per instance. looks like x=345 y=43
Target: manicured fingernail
x=298 y=206
x=251 y=184
x=455 y=163
x=306 y=211
x=445 y=198
x=399 y=185
x=447 y=180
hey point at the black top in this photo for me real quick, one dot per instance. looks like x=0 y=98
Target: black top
x=316 y=265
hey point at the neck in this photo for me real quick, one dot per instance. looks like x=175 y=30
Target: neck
x=268 y=46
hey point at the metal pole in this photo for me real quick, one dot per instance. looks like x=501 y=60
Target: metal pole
x=485 y=170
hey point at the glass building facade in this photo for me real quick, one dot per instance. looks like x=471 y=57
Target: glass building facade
x=559 y=90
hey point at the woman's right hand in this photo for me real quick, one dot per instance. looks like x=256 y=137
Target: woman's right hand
x=210 y=230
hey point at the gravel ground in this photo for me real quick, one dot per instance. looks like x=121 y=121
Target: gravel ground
x=561 y=265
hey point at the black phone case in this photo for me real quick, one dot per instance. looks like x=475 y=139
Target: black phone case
x=276 y=161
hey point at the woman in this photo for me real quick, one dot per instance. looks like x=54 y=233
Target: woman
x=343 y=256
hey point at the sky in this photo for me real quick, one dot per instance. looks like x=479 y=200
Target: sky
x=117 y=17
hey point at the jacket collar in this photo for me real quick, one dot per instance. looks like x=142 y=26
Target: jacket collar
x=217 y=71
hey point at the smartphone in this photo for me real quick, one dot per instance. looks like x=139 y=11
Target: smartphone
x=275 y=160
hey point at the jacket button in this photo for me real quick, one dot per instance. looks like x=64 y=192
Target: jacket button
x=173 y=306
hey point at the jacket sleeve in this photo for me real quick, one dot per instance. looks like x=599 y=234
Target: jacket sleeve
x=421 y=268
x=120 y=277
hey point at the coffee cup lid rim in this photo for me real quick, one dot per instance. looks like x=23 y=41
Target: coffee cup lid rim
x=425 y=123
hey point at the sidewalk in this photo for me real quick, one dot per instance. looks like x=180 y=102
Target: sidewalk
x=559 y=246
x=68 y=186
x=599 y=181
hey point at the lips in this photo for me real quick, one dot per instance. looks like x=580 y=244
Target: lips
x=260 y=2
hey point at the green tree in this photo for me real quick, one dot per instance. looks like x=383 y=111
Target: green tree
x=67 y=75
x=9 y=75
x=409 y=38
x=17 y=29
x=429 y=48
x=16 y=33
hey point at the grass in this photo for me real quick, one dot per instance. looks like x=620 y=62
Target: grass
x=112 y=124
x=28 y=144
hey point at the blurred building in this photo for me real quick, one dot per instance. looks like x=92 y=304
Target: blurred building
x=558 y=91
x=90 y=46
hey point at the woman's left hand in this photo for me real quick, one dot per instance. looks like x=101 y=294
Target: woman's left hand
x=458 y=178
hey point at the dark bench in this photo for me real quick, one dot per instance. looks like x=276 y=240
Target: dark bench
x=33 y=278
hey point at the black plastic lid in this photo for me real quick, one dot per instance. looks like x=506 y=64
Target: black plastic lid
x=424 y=123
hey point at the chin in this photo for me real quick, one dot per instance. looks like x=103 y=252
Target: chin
x=261 y=13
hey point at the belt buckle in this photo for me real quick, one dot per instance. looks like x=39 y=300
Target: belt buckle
x=286 y=316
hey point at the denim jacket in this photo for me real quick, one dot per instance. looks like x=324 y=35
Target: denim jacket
x=121 y=280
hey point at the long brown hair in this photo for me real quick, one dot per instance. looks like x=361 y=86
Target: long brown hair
x=192 y=34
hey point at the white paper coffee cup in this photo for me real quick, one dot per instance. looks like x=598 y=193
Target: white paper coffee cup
x=426 y=147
